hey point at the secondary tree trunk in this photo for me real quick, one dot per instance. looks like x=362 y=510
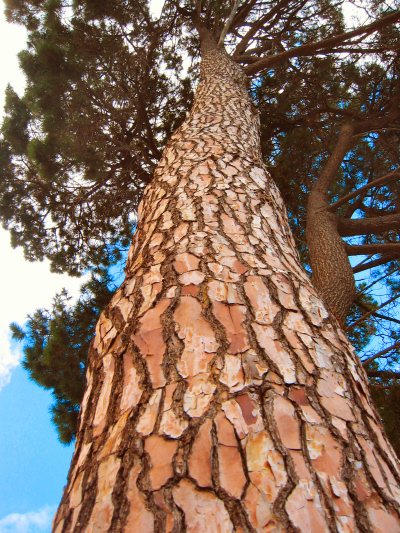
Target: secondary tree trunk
x=221 y=396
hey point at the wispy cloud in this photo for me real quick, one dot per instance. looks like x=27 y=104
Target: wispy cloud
x=156 y=7
x=8 y=358
x=32 y=522
x=25 y=287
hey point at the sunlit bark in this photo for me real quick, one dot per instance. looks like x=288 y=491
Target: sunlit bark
x=221 y=395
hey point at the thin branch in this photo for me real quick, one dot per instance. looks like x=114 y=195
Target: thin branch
x=374 y=183
x=383 y=374
x=361 y=305
x=341 y=112
x=365 y=50
x=142 y=114
x=257 y=25
x=242 y=13
x=364 y=317
x=384 y=317
x=367 y=287
x=228 y=24
x=383 y=352
x=358 y=204
x=324 y=46
x=376 y=262
x=370 y=249
x=318 y=196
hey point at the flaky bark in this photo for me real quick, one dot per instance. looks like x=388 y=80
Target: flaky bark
x=220 y=395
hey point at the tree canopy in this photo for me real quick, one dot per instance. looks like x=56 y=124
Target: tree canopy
x=107 y=84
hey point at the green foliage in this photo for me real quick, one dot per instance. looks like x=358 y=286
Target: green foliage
x=56 y=344
x=361 y=335
x=16 y=123
x=83 y=141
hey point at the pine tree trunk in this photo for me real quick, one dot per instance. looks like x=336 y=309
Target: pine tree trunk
x=221 y=395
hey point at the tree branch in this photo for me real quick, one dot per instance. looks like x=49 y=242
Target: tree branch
x=377 y=315
x=228 y=24
x=370 y=249
x=374 y=183
x=368 y=226
x=384 y=317
x=257 y=25
x=364 y=317
x=376 y=262
x=334 y=162
x=342 y=112
x=318 y=195
x=142 y=114
x=326 y=45
x=382 y=374
x=383 y=352
x=360 y=293
x=242 y=13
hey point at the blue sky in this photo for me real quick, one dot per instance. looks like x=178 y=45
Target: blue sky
x=33 y=464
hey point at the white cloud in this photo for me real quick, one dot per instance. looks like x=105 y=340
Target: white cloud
x=12 y=40
x=156 y=8
x=24 y=288
x=32 y=522
x=9 y=358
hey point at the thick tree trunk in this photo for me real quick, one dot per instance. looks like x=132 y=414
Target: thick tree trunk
x=221 y=397
x=332 y=273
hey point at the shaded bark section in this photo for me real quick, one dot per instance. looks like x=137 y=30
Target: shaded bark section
x=220 y=395
x=368 y=226
x=370 y=249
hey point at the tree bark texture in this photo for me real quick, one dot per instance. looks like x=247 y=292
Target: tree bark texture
x=221 y=396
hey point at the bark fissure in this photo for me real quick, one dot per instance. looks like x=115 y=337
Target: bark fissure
x=220 y=396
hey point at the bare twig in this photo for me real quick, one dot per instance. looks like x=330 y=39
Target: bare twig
x=324 y=46
x=374 y=183
x=364 y=317
x=379 y=354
